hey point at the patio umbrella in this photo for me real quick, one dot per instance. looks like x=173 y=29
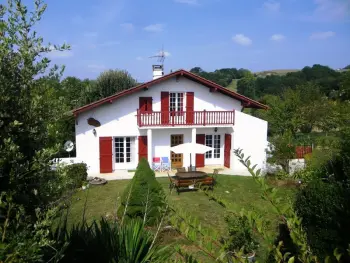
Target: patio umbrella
x=189 y=148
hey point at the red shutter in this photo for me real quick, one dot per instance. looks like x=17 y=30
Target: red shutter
x=200 y=138
x=106 y=155
x=145 y=104
x=189 y=107
x=227 y=151
x=143 y=152
x=164 y=100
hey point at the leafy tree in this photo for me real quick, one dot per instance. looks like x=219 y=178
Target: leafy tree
x=144 y=197
x=344 y=92
x=247 y=85
x=347 y=67
x=111 y=82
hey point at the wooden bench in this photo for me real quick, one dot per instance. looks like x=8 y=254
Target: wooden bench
x=179 y=184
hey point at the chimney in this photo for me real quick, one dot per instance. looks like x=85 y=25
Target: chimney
x=158 y=71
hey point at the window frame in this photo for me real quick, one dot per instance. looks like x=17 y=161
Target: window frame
x=214 y=141
x=125 y=144
x=176 y=102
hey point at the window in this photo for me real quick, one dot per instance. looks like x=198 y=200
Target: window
x=214 y=142
x=123 y=149
x=176 y=102
x=209 y=143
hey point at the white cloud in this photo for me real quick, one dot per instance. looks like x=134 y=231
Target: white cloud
x=331 y=10
x=60 y=54
x=322 y=35
x=166 y=53
x=277 y=37
x=96 y=68
x=139 y=58
x=154 y=28
x=90 y=34
x=242 y=40
x=188 y=2
x=127 y=26
x=272 y=6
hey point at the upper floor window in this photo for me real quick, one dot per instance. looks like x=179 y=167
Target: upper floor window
x=176 y=102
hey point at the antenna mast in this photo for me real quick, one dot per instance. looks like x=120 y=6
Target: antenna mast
x=160 y=56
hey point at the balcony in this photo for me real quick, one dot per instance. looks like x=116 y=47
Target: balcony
x=183 y=118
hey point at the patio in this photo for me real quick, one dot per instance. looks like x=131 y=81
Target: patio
x=126 y=174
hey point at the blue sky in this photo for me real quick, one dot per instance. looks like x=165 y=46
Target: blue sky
x=254 y=34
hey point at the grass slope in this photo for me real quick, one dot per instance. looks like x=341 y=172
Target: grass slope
x=241 y=191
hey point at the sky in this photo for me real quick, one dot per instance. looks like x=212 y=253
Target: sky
x=212 y=34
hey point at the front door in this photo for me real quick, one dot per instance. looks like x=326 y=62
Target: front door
x=227 y=150
x=176 y=159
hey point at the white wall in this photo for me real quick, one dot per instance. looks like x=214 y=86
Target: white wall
x=250 y=134
x=119 y=117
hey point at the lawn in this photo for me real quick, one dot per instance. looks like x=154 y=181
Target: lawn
x=241 y=191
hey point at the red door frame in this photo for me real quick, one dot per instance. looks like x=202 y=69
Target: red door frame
x=106 y=155
x=143 y=147
x=200 y=160
x=227 y=150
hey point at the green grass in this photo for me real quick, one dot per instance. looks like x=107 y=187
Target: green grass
x=233 y=85
x=243 y=193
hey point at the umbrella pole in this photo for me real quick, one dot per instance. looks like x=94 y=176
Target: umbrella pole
x=191 y=161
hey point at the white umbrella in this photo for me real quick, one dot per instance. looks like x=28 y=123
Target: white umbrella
x=189 y=148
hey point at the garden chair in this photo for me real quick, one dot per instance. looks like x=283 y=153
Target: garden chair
x=156 y=164
x=166 y=164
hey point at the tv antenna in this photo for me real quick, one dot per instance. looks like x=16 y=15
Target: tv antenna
x=160 y=56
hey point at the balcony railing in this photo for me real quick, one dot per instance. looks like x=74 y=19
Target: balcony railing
x=183 y=118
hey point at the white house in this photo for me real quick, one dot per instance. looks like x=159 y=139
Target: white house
x=145 y=121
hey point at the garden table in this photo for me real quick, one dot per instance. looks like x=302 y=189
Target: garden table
x=190 y=175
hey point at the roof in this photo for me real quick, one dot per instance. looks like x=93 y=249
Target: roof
x=246 y=102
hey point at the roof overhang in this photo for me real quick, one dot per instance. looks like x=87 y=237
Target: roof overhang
x=245 y=101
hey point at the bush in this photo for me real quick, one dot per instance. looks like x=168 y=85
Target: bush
x=77 y=174
x=325 y=210
x=144 y=196
x=240 y=234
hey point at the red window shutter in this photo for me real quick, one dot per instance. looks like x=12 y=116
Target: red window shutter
x=227 y=151
x=189 y=107
x=143 y=151
x=149 y=104
x=145 y=104
x=200 y=139
x=164 y=101
x=106 y=155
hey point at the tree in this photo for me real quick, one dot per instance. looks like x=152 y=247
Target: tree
x=144 y=197
x=30 y=107
x=247 y=85
x=111 y=82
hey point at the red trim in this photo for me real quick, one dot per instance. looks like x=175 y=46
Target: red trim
x=143 y=150
x=200 y=139
x=164 y=107
x=189 y=107
x=227 y=150
x=181 y=72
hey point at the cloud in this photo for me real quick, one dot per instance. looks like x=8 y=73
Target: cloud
x=139 y=58
x=188 y=2
x=166 y=53
x=154 y=28
x=322 y=35
x=127 y=26
x=242 y=40
x=272 y=6
x=277 y=37
x=96 y=68
x=329 y=11
x=60 y=54
x=90 y=34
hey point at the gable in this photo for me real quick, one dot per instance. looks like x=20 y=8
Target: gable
x=204 y=83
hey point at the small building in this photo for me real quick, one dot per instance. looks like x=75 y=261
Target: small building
x=145 y=121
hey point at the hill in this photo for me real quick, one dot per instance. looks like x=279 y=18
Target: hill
x=279 y=72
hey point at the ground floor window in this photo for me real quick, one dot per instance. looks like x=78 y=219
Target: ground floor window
x=124 y=149
x=213 y=141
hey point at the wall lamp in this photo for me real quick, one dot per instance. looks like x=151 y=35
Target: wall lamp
x=94 y=132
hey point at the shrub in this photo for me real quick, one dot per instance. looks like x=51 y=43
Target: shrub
x=325 y=210
x=240 y=234
x=144 y=196
x=77 y=174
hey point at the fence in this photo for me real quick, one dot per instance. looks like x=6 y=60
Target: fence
x=301 y=151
